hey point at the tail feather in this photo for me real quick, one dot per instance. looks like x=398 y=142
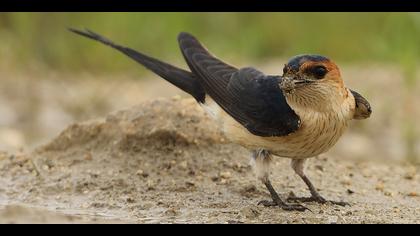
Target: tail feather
x=182 y=79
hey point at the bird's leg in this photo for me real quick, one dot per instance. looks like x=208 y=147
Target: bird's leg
x=298 y=166
x=261 y=160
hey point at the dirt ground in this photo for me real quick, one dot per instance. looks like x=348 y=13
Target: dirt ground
x=163 y=161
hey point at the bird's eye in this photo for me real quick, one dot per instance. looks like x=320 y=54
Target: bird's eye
x=319 y=71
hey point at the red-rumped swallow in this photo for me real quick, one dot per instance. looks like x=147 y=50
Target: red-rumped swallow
x=297 y=115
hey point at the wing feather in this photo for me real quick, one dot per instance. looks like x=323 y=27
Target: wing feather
x=250 y=97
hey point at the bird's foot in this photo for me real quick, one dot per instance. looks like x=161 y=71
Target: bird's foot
x=282 y=205
x=318 y=199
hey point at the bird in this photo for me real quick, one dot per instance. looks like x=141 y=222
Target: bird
x=297 y=115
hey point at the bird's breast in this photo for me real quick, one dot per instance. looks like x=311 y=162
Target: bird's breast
x=319 y=131
x=317 y=134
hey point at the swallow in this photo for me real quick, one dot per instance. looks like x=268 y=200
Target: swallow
x=297 y=115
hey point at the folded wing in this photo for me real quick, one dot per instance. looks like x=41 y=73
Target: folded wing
x=250 y=97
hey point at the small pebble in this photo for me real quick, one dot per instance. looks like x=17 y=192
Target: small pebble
x=142 y=173
x=410 y=173
x=250 y=212
x=150 y=185
x=388 y=193
x=409 y=176
x=250 y=188
x=225 y=174
x=215 y=178
x=88 y=156
x=171 y=212
x=346 y=181
x=379 y=187
x=320 y=168
x=291 y=194
x=183 y=165
x=130 y=200
x=413 y=194
x=224 y=181
x=190 y=184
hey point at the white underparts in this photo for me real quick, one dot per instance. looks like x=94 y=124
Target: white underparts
x=210 y=107
x=260 y=161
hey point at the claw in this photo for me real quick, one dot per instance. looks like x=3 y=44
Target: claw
x=286 y=207
x=267 y=203
x=296 y=207
x=343 y=204
x=320 y=200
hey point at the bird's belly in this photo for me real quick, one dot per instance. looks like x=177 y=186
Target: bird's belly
x=317 y=134
x=309 y=141
x=304 y=143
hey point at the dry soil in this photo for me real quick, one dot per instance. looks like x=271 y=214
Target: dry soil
x=164 y=161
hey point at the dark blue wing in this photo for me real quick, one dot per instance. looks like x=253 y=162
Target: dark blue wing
x=250 y=97
x=259 y=104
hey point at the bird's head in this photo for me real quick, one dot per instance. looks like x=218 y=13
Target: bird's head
x=313 y=79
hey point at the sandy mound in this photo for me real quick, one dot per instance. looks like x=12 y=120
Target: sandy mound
x=165 y=161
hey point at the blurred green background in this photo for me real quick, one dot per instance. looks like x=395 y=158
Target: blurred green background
x=346 y=37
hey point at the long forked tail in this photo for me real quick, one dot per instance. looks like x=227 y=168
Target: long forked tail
x=182 y=79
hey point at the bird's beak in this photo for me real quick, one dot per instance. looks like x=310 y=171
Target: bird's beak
x=289 y=83
x=301 y=80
